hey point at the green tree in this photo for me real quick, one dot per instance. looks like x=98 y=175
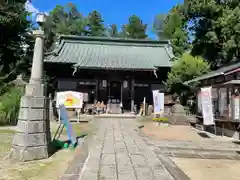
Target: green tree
x=95 y=24
x=135 y=28
x=65 y=20
x=173 y=26
x=113 y=31
x=186 y=68
x=216 y=27
x=14 y=28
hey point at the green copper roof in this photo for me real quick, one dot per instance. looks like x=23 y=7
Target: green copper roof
x=111 y=53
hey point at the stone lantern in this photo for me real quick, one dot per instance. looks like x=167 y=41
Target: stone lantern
x=32 y=139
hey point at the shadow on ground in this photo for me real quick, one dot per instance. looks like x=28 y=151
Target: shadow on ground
x=203 y=135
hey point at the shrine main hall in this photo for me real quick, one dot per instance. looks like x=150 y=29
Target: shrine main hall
x=111 y=70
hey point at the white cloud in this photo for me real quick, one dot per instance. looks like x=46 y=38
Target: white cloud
x=33 y=10
x=30 y=8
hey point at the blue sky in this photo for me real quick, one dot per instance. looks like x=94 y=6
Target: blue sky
x=115 y=12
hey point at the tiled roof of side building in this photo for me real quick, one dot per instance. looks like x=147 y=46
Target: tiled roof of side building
x=218 y=72
x=111 y=53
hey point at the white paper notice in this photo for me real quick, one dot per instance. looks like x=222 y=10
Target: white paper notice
x=207 y=109
x=158 y=100
x=236 y=107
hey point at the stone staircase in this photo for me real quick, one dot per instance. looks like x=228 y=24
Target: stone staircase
x=210 y=150
x=114 y=108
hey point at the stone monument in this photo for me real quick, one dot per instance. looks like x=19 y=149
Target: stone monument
x=179 y=114
x=32 y=139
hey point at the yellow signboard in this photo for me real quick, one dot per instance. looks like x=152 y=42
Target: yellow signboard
x=70 y=99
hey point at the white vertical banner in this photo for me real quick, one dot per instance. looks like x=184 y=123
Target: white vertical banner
x=158 y=100
x=207 y=106
x=236 y=108
x=161 y=98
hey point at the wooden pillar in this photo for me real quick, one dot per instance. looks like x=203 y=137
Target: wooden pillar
x=121 y=91
x=132 y=95
x=109 y=91
x=96 y=91
x=218 y=102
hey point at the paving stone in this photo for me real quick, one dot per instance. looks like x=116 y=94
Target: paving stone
x=127 y=176
x=138 y=160
x=108 y=171
x=70 y=177
x=108 y=148
x=120 y=144
x=155 y=164
x=163 y=177
x=134 y=151
x=107 y=178
x=87 y=175
x=144 y=174
x=108 y=159
x=74 y=169
x=118 y=138
x=117 y=152
x=93 y=164
x=123 y=161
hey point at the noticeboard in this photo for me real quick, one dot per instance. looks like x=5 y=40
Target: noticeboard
x=70 y=99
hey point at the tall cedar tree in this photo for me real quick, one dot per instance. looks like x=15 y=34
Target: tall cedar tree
x=95 y=24
x=113 y=31
x=173 y=27
x=65 y=20
x=135 y=28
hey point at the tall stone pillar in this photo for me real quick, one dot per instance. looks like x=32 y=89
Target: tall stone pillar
x=32 y=138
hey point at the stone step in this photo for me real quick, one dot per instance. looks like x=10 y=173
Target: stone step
x=198 y=152
x=115 y=111
x=202 y=155
x=208 y=145
x=125 y=116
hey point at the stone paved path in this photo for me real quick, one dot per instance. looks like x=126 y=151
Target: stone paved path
x=119 y=153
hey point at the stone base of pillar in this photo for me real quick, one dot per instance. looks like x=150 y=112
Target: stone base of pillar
x=31 y=142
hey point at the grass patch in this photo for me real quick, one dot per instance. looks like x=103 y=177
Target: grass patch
x=6 y=136
x=51 y=168
x=161 y=119
x=7 y=131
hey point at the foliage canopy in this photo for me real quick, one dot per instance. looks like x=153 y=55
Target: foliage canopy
x=184 y=69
